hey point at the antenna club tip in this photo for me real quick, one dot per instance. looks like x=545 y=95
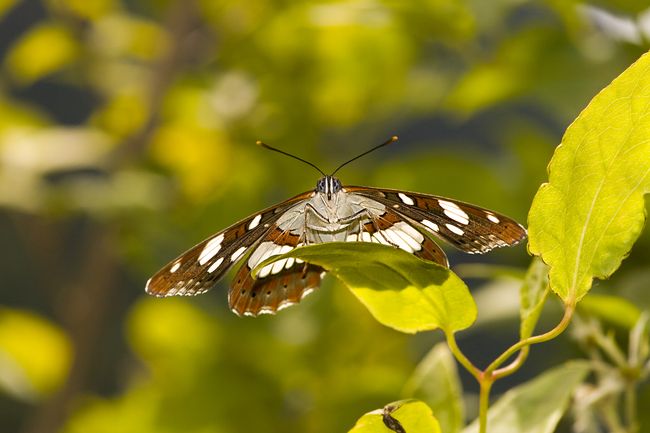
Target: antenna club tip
x=394 y=138
x=259 y=142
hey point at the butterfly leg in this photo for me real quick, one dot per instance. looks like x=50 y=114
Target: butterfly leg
x=307 y=226
x=376 y=235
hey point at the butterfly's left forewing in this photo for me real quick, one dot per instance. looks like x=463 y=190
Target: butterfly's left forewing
x=198 y=269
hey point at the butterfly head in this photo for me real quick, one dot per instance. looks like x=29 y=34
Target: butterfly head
x=328 y=185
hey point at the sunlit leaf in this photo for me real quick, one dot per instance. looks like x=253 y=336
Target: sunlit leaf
x=533 y=294
x=584 y=221
x=43 y=50
x=412 y=415
x=538 y=405
x=35 y=355
x=435 y=381
x=399 y=290
x=612 y=309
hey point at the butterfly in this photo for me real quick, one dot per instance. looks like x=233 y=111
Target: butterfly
x=330 y=213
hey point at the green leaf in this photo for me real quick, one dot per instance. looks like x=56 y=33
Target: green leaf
x=584 y=221
x=414 y=416
x=400 y=290
x=435 y=381
x=538 y=405
x=533 y=295
x=613 y=309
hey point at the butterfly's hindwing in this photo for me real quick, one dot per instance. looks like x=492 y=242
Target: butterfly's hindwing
x=470 y=228
x=267 y=295
x=198 y=269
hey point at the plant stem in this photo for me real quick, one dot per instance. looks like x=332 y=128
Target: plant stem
x=514 y=365
x=460 y=356
x=559 y=328
x=484 y=401
x=630 y=407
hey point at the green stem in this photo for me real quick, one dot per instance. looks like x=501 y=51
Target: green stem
x=460 y=356
x=630 y=408
x=514 y=365
x=559 y=328
x=484 y=402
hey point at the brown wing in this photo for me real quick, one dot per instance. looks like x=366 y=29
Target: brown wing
x=198 y=269
x=409 y=238
x=268 y=295
x=278 y=285
x=470 y=228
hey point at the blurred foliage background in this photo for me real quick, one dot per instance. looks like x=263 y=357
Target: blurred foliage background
x=127 y=131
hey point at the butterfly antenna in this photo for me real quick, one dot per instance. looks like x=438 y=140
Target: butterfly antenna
x=393 y=139
x=266 y=146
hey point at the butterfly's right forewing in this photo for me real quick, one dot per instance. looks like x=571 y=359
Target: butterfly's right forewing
x=198 y=269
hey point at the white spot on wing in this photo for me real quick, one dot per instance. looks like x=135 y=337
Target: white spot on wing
x=433 y=226
x=379 y=238
x=210 y=250
x=215 y=265
x=454 y=212
x=175 y=267
x=269 y=249
x=260 y=254
x=406 y=199
x=255 y=222
x=454 y=229
x=395 y=240
x=410 y=231
x=266 y=310
x=458 y=218
x=493 y=218
x=285 y=304
x=409 y=235
x=237 y=254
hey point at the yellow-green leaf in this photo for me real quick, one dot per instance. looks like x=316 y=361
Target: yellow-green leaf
x=612 y=309
x=584 y=221
x=538 y=405
x=401 y=291
x=533 y=294
x=412 y=415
